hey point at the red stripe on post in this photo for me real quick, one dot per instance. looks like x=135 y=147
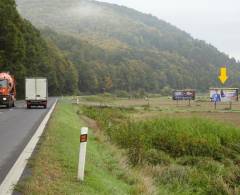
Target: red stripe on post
x=83 y=138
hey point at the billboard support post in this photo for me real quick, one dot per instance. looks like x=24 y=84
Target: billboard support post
x=215 y=105
x=184 y=95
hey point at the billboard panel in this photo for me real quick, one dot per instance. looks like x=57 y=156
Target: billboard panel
x=224 y=94
x=184 y=94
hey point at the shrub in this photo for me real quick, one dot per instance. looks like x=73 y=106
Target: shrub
x=122 y=94
x=156 y=157
x=174 y=174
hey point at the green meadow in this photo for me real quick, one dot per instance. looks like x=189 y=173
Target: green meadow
x=138 y=147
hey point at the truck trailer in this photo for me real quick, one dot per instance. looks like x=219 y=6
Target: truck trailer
x=7 y=90
x=36 y=92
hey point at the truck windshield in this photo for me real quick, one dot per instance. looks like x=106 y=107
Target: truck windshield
x=3 y=83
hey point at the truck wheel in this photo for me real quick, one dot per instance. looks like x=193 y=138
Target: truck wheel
x=13 y=104
x=44 y=106
x=28 y=106
x=8 y=105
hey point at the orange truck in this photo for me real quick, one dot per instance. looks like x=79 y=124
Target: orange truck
x=7 y=89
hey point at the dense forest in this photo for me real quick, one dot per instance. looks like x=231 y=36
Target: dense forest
x=118 y=48
x=24 y=53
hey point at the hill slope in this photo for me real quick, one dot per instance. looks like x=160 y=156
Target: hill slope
x=149 y=53
x=23 y=52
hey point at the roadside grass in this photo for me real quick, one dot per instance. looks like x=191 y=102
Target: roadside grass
x=53 y=167
x=183 y=155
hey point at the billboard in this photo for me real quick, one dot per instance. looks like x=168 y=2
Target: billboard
x=187 y=94
x=224 y=94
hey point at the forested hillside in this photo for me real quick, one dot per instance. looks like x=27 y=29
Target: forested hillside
x=24 y=53
x=119 y=48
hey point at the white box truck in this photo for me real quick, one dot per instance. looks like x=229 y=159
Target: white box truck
x=36 y=92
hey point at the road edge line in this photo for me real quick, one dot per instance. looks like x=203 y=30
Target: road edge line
x=15 y=173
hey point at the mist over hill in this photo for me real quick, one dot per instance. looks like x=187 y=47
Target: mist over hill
x=118 y=48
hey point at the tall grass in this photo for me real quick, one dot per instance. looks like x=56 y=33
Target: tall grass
x=196 y=155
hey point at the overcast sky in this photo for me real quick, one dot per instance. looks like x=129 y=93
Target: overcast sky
x=215 y=21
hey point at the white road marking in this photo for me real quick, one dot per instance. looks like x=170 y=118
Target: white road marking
x=16 y=171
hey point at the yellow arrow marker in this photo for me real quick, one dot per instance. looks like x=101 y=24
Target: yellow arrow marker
x=223 y=75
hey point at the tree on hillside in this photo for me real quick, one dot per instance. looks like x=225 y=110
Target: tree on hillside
x=23 y=52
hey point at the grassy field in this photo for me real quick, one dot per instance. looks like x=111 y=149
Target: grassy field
x=164 y=106
x=139 y=146
x=187 y=149
x=54 y=165
x=184 y=155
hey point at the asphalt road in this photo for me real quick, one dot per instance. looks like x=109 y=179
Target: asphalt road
x=17 y=126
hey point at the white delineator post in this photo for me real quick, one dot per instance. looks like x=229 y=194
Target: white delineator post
x=82 y=153
x=77 y=100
